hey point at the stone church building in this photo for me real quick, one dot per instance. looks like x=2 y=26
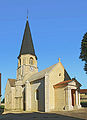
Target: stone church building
x=48 y=90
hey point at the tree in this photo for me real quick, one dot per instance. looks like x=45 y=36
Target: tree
x=3 y=101
x=83 y=53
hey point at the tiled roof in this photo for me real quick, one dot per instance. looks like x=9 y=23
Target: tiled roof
x=62 y=84
x=83 y=90
x=12 y=82
x=27 y=43
x=40 y=74
x=65 y=75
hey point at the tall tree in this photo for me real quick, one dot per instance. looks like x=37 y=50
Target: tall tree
x=83 y=53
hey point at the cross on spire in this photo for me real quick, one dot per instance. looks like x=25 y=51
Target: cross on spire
x=59 y=59
x=27 y=14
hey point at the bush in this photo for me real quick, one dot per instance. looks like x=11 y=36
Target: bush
x=2 y=106
x=3 y=101
x=84 y=104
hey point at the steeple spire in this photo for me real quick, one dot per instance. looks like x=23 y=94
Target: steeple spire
x=27 y=43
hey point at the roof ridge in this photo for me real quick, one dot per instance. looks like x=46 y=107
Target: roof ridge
x=40 y=74
x=48 y=67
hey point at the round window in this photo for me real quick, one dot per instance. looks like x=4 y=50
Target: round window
x=59 y=74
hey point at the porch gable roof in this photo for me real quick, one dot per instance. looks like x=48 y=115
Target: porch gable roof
x=65 y=83
x=62 y=84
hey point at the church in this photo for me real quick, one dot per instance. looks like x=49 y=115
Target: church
x=51 y=89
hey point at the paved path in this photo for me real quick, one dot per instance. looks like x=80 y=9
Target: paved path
x=71 y=115
x=81 y=113
x=36 y=116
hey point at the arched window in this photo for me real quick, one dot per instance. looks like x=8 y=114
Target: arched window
x=31 y=61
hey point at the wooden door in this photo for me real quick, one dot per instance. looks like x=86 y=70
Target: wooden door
x=73 y=96
x=24 y=101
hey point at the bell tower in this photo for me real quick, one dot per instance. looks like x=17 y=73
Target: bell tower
x=27 y=60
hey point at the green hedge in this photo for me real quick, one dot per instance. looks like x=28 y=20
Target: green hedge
x=84 y=104
x=2 y=106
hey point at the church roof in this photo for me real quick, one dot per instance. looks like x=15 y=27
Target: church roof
x=27 y=43
x=40 y=74
x=12 y=82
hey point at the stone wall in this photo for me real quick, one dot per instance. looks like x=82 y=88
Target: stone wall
x=56 y=75
x=83 y=97
x=59 y=99
x=24 y=67
x=38 y=105
x=8 y=96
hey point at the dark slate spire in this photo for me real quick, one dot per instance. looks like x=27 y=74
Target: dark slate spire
x=27 y=43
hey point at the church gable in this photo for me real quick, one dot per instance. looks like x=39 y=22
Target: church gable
x=12 y=82
x=74 y=82
x=8 y=96
x=57 y=74
x=8 y=85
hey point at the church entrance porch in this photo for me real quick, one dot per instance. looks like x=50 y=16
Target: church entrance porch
x=67 y=95
x=72 y=99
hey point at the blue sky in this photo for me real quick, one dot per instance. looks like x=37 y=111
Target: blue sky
x=57 y=28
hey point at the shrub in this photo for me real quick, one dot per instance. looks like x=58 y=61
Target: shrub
x=84 y=104
x=2 y=106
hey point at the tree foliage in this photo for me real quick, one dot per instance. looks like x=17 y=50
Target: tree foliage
x=3 y=101
x=83 y=53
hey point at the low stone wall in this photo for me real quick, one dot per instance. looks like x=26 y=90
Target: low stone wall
x=83 y=98
x=84 y=104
